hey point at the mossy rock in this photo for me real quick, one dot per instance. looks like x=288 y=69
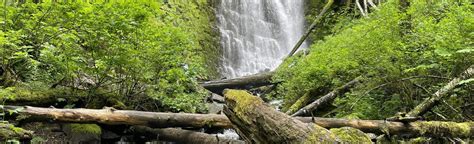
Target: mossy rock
x=351 y=135
x=83 y=133
x=321 y=135
x=8 y=132
x=85 y=128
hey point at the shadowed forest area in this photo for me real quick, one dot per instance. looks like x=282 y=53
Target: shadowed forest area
x=229 y=71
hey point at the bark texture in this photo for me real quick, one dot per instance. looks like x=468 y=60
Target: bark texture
x=428 y=103
x=246 y=82
x=110 y=116
x=182 y=136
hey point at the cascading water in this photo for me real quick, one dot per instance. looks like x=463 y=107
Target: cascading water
x=257 y=34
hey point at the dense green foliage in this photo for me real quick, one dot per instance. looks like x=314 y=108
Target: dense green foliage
x=150 y=55
x=426 y=43
x=132 y=51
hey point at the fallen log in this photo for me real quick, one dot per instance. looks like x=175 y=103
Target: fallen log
x=415 y=129
x=428 y=103
x=110 y=116
x=181 y=136
x=10 y=132
x=164 y=120
x=325 y=99
x=257 y=122
x=246 y=82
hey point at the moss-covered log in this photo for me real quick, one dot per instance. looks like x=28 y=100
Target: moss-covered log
x=428 y=103
x=45 y=97
x=418 y=128
x=41 y=97
x=110 y=116
x=325 y=99
x=256 y=122
x=246 y=82
x=10 y=132
x=181 y=136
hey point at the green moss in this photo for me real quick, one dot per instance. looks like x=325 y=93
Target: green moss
x=419 y=140
x=299 y=103
x=320 y=135
x=241 y=101
x=351 y=135
x=451 y=129
x=32 y=94
x=8 y=131
x=85 y=129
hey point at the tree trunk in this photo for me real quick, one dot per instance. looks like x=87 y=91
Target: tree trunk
x=328 y=98
x=428 y=103
x=256 y=122
x=246 y=82
x=182 y=136
x=415 y=129
x=110 y=116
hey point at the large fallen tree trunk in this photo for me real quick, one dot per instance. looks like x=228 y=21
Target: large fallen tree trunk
x=110 y=116
x=417 y=128
x=428 y=103
x=328 y=98
x=256 y=122
x=164 y=120
x=246 y=82
x=181 y=136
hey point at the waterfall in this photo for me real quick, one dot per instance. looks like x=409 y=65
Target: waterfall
x=257 y=34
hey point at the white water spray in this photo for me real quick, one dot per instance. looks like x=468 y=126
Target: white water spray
x=257 y=34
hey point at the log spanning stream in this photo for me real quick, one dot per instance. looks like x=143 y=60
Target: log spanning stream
x=257 y=34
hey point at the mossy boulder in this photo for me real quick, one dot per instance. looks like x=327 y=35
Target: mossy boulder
x=351 y=135
x=83 y=133
x=9 y=132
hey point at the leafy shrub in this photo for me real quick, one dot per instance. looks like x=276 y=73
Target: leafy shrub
x=122 y=48
x=390 y=45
